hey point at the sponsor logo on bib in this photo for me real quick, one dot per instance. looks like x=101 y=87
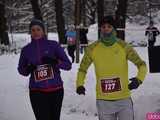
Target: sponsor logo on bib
x=43 y=72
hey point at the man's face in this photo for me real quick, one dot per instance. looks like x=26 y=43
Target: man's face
x=106 y=28
x=37 y=32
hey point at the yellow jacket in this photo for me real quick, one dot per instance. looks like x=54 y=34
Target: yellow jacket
x=111 y=69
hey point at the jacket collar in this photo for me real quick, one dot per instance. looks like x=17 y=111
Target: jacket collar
x=38 y=40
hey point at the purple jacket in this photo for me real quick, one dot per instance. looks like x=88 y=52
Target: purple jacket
x=33 y=53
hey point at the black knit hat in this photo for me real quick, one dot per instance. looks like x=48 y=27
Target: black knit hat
x=108 y=19
x=37 y=22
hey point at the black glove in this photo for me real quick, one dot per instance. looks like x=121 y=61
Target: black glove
x=80 y=90
x=135 y=82
x=49 y=60
x=31 y=67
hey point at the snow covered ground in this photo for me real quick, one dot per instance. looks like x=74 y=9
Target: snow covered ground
x=14 y=99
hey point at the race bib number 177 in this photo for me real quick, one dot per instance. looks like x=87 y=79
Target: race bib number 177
x=109 y=85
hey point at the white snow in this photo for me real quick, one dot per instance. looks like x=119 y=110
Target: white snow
x=14 y=99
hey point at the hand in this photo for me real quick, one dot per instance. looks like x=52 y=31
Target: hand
x=135 y=82
x=31 y=67
x=49 y=60
x=80 y=90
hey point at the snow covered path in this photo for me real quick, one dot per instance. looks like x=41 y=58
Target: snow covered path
x=15 y=105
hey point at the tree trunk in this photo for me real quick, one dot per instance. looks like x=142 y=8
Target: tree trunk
x=60 y=21
x=4 y=39
x=100 y=10
x=121 y=18
x=36 y=9
x=77 y=23
x=83 y=12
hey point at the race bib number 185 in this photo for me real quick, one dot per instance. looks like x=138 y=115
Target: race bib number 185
x=109 y=85
x=43 y=72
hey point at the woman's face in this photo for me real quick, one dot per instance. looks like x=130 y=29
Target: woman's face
x=37 y=32
x=106 y=28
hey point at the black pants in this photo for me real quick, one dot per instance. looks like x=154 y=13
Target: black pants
x=71 y=50
x=47 y=106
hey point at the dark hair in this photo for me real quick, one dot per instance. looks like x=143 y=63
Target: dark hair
x=108 y=19
x=37 y=22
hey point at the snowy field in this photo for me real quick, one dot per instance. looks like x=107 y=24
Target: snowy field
x=14 y=99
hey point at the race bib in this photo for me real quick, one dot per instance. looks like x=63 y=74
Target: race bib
x=110 y=85
x=71 y=40
x=43 y=72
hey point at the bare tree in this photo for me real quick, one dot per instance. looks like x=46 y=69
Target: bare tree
x=121 y=17
x=77 y=23
x=60 y=21
x=4 y=39
x=36 y=9
x=91 y=8
x=100 y=10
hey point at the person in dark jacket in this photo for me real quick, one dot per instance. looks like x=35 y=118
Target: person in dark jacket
x=83 y=38
x=42 y=59
x=151 y=32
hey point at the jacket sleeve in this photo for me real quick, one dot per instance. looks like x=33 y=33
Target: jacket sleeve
x=141 y=65
x=22 y=65
x=64 y=62
x=84 y=65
